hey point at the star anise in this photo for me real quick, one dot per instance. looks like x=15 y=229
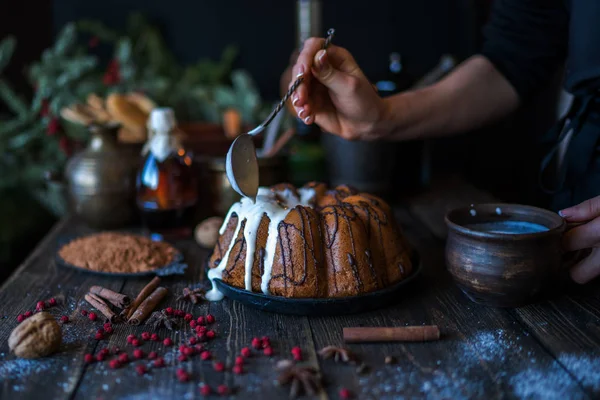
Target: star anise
x=161 y=318
x=339 y=354
x=193 y=295
x=303 y=379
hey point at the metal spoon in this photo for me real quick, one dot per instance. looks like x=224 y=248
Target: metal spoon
x=241 y=163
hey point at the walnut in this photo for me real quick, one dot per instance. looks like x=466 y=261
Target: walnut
x=37 y=336
x=207 y=232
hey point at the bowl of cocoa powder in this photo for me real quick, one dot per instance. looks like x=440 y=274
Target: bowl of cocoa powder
x=119 y=254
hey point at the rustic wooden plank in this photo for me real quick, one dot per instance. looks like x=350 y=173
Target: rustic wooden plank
x=567 y=325
x=38 y=278
x=483 y=353
x=235 y=326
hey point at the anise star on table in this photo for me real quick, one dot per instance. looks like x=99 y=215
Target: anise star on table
x=161 y=318
x=303 y=379
x=339 y=354
x=193 y=295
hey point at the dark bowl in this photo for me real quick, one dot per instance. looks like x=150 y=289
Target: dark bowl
x=504 y=255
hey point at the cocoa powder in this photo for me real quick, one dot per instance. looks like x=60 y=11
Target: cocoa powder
x=117 y=253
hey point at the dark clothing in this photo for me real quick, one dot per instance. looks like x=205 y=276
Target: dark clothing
x=527 y=41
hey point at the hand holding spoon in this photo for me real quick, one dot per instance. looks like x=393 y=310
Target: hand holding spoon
x=241 y=164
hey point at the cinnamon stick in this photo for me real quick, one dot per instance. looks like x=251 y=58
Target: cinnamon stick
x=116 y=299
x=392 y=334
x=145 y=292
x=147 y=306
x=101 y=306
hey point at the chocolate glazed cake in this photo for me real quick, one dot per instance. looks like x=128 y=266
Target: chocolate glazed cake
x=311 y=242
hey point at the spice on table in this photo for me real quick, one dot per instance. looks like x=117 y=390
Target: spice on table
x=390 y=360
x=145 y=292
x=101 y=306
x=302 y=379
x=193 y=295
x=37 y=336
x=159 y=319
x=339 y=354
x=391 y=334
x=147 y=306
x=117 y=299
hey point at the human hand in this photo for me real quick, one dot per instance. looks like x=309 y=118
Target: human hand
x=335 y=93
x=584 y=236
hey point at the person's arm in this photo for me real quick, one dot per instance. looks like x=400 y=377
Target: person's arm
x=471 y=96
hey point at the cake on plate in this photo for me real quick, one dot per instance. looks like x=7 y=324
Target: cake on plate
x=310 y=242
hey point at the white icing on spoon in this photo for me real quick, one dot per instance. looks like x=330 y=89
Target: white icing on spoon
x=276 y=205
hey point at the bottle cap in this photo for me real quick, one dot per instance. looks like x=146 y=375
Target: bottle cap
x=162 y=119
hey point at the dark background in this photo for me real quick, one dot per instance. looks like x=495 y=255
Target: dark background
x=501 y=158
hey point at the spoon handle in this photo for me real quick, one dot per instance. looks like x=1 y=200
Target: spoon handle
x=290 y=91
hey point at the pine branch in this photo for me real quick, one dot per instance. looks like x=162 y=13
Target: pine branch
x=7 y=48
x=15 y=102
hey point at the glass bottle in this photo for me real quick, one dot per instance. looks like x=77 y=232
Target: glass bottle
x=167 y=188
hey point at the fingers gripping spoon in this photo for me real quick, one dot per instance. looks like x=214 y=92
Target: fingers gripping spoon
x=241 y=163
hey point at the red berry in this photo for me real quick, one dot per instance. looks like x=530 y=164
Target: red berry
x=205 y=390
x=201 y=329
x=159 y=362
x=182 y=348
x=130 y=338
x=266 y=342
x=245 y=352
x=20 y=318
x=108 y=330
x=210 y=334
x=136 y=343
x=123 y=358
x=99 y=336
x=219 y=366
x=104 y=351
x=199 y=348
x=107 y=325
x=88 y=358
x=169 y=310
x=188 y=351
x=200 y=320
x=145 y=335
x=182 y=357
x=40 y=306
x=114 y=364
x=223 y=390
x=239 y=360
x=193 y=340
x=179 y=313
x=345 y=393
x=256 y=343
x=100 y=331
x=141 y=369
x=188 y=317
x=193 y=324
x=154 y=337
x=152 y=355
x=28 y=314
x=210 y=319
x=84 y=313
x=201 y=336
x=100 y=356
x=45 y=108
x=268 y=351
x=52 y=302
x=168 y=342
x=238 y=369
x=205 y=355
x=182 y=375
x=53 y=126
x=138 y=353
x=297 y=353
x=92 y=316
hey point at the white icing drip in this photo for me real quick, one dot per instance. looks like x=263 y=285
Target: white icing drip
x=252 y=213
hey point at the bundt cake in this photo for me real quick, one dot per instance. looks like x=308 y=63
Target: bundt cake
x=310 y=242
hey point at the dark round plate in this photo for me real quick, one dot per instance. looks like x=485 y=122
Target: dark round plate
x=175 y=267
x=325 y=306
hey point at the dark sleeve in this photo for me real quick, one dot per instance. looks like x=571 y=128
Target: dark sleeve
x=526 y=40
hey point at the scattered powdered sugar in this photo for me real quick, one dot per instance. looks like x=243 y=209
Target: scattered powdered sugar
x=585 y=368
x=490 y=346
x=551 y=383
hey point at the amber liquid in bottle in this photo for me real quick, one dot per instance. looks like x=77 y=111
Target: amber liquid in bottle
x=167 y=194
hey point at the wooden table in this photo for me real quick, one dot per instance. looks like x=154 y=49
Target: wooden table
x=545 y=350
